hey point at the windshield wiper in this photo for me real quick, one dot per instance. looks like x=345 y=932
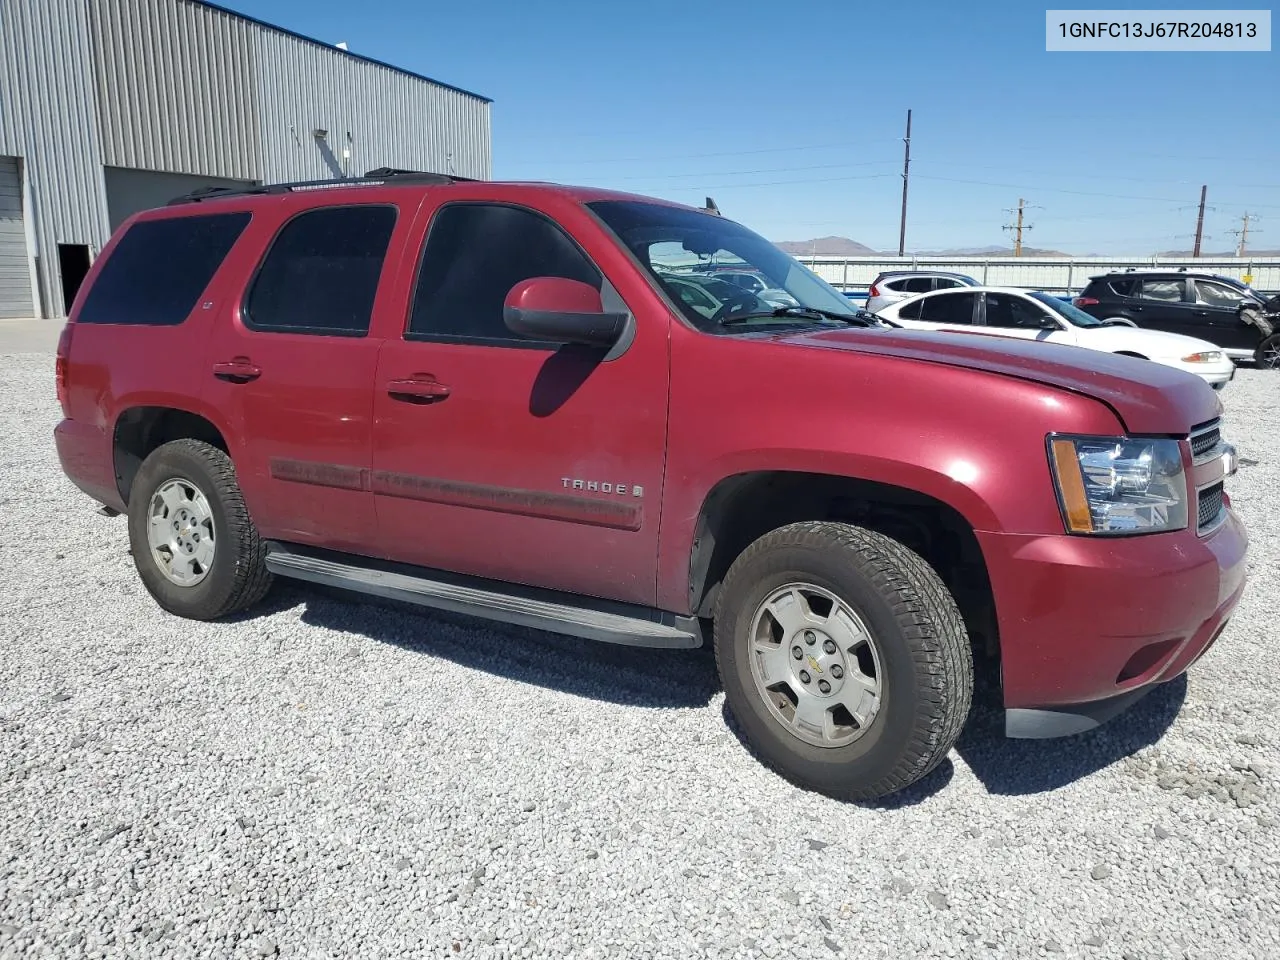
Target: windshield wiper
x=853 y=319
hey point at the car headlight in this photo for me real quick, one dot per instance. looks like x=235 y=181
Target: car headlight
x=1118 y=485
x=1207 y=356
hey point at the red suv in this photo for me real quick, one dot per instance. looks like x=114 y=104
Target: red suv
x=511 y=400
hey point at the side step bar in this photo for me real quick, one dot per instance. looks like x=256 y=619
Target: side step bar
x=682 y=633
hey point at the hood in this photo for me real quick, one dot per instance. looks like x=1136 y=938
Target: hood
x=1149 y=398
x=1162 y=343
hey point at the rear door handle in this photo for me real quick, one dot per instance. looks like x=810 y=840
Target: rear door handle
x=239 y=370
x=418 y=390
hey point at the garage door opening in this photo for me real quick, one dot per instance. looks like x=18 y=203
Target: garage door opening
x=129 y=191
x=73 y=266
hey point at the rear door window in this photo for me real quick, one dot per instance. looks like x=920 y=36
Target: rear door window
x=916 y=285
x=949 y=308
x=157 y=271
x=321 y=273
x=1167 y=291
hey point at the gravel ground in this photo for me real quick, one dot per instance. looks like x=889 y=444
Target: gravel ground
x=329 y=778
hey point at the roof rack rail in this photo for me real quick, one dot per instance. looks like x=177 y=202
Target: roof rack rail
x=379 y=175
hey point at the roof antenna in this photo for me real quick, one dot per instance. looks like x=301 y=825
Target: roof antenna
x=711 y=207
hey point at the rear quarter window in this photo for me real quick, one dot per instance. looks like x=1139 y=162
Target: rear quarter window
x=157 y=271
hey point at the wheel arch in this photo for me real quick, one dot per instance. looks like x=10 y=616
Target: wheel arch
x=140 y=429
x=742 y=507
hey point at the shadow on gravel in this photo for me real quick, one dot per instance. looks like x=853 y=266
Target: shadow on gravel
x=1021 y=767
x=921 y=790
x=631 y=676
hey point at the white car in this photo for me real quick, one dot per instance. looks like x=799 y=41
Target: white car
x=1039 y=316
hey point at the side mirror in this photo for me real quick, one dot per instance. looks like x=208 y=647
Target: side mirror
x=1048 y=323
x=561 y=310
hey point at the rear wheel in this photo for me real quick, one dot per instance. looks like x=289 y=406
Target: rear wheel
x=193 y=543
x=1268 y=353
x=843 y=658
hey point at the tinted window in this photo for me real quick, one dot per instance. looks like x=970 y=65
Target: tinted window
x=916 y=285
x=1168 y=290
x=1006 y=310
x=159 y=268
x=952 y=308
x=911 y=311
x=321 y=273
x=475 y=253
x=1124 y=288
x=946 y=283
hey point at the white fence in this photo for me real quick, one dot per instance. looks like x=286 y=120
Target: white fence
x=1062 y=276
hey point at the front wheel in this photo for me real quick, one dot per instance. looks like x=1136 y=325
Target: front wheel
x=844 y=659
x=1268 y=353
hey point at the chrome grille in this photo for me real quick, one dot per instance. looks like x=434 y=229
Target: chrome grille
x=1209 y=506
x=1205 y=439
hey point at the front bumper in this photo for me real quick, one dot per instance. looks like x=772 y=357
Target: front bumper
x=1217 y=375
x=1088 y=625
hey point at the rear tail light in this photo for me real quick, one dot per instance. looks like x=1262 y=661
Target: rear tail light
x=874 y=291
x=60 y=368
x=1085 y=302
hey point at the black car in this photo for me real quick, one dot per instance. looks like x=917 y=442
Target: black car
x=1197 y=305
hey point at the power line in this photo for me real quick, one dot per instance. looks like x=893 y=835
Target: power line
x=792 y=148
x=735 y=173
x=780 y=183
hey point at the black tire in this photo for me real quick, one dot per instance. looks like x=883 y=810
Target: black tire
x=926 y=660
x=1267 y=355
x=237 y=577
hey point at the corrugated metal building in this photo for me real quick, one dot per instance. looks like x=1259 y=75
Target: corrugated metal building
x=111 y=106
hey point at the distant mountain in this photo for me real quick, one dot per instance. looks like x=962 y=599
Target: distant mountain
x=1260 y=254
x=994 y=251
x=826 y=247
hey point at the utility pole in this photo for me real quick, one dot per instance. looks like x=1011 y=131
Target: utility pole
x=906 y=173
x=1200 y=221
x=1018 y=227
x=1243 y=234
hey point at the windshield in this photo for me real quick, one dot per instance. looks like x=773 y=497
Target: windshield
x=716 y=270
x=1068 y=311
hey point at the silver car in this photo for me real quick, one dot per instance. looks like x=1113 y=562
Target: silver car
x=893 y=286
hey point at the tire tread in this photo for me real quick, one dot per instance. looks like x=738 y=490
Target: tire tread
x=932 y=624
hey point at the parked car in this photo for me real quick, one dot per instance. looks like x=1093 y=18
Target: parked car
x=484 y=397
x=1046 y=318
x=894 y=285
x=1194 y=304
x=755 y=283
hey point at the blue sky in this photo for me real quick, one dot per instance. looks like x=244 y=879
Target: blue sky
x=791 y=115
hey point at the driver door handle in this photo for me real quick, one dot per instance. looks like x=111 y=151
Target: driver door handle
x=418 y=390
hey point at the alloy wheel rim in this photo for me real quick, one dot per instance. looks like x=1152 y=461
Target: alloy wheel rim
x=180 y=532
x=816 y=665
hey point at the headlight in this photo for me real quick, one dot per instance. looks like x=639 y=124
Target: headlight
x=1208 y=356
x=1116 y=485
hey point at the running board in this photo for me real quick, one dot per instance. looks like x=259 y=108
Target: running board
x=554 y=617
